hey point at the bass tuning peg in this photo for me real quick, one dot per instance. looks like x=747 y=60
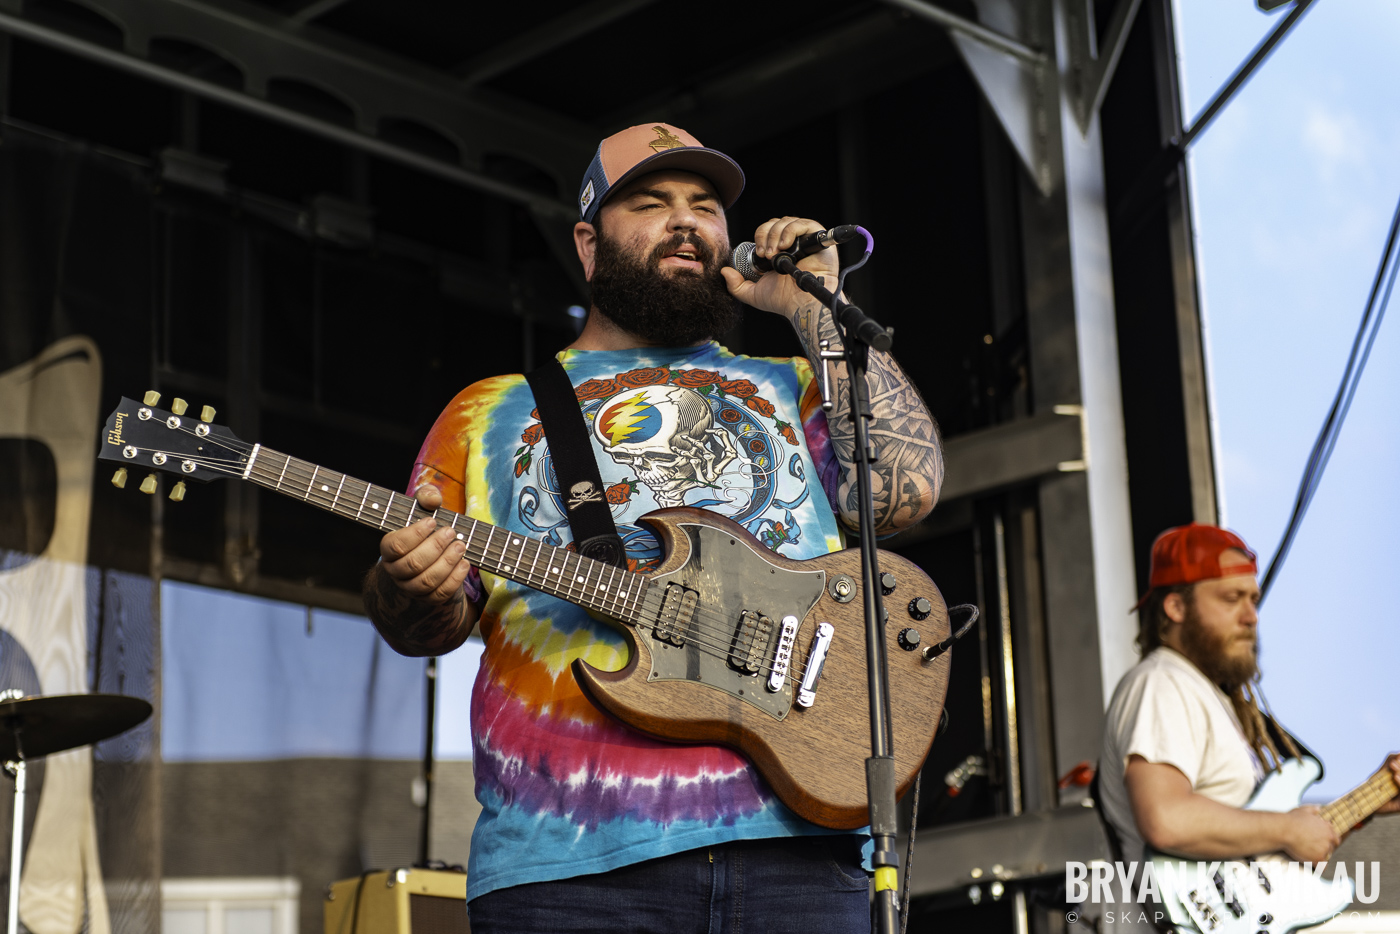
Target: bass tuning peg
x=119 y=478
x=148 y=485
x=151 y=397
x=177 y=492
x=178 y=406
x=206 y=414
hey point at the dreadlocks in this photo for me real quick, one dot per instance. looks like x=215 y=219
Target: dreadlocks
x=1244 y=697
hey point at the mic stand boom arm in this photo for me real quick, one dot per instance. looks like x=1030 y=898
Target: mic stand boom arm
x=858 y=334
x=866 y=330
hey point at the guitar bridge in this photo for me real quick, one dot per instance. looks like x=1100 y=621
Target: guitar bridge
x=752 y=637
x=677 y=612
x=786 y=637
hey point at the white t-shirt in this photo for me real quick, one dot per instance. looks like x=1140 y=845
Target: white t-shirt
x=1166 y=710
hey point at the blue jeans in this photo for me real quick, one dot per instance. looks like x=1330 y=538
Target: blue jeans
x=802 y=885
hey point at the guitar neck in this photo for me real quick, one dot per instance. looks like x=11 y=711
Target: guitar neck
x=1361 y=802
x=591 y=584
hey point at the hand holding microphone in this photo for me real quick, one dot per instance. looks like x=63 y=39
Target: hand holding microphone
x=751 y=266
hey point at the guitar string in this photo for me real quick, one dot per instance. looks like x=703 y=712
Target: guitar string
x=280 y=480
x=696 y=628
x=703 y=621
x=293 y=470
x=1370 y=795
x=242 y=447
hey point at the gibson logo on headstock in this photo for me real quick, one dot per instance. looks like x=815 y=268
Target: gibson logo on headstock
x=115 y=435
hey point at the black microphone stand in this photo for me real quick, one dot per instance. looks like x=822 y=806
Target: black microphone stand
x=859 y=333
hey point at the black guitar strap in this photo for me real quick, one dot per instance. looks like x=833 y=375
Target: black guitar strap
x=576 y=469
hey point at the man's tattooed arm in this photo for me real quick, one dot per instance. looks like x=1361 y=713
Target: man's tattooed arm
x=908 y=471
x=412 y=625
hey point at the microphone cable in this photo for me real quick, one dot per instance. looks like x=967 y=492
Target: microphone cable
x=1332 y=426
x=865 y=258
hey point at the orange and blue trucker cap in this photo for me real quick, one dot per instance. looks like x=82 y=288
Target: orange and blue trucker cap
x=651 y=147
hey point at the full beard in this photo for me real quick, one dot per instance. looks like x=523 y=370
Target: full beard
x=1215 y=654
x=674 y=307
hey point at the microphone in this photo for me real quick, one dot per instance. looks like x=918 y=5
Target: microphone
x=752 y=267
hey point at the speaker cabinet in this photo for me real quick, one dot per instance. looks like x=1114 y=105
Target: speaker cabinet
x=401 y=901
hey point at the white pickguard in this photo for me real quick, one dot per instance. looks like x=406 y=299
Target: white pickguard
x=1279 y=902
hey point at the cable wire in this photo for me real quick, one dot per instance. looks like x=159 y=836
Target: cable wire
x=1326 y=440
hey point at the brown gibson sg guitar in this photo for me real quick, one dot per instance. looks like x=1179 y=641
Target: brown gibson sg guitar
x=730 y=643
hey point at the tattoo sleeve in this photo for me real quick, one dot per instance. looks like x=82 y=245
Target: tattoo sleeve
x=908 y=471
x=416 y=627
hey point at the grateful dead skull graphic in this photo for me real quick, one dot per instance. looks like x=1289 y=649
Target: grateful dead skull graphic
x=690 y=437
x=667 y=435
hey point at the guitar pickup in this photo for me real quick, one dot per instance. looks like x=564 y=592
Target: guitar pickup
x=783 y=657
x=821 y=644
x=677 y=611
x=752 y=637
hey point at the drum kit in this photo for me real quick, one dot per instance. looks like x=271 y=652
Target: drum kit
x=31 y=727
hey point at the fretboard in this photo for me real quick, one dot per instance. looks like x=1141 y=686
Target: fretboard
x=609 y=590
x=1361 y=802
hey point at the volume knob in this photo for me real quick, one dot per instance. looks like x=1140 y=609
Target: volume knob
x=887 y=583
x=920 y=607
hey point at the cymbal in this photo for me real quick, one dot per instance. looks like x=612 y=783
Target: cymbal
x=55 y=722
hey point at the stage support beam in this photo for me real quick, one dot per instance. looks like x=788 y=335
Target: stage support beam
x=377 y=88
x=1086 y=532
x=346 y=136
x=544 y=38
x=1014 y=75
x=1092 y=63
x=1200 y=443
x=991 y=38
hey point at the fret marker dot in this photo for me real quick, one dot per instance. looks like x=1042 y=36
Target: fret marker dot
x=579 y=579
x=373 y=505
x=554 y=570
x=324 y=488
x=622 y=593
x=515 y=541
x=459 y=536
x=602 y=588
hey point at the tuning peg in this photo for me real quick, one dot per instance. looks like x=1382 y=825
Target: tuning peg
x=148 y=485
x=151 y=398
x=178 y=406
x=177 y=492
x=206 y=414
x=119 y=478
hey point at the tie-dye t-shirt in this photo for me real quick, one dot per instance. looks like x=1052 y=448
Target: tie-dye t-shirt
x=564 y=789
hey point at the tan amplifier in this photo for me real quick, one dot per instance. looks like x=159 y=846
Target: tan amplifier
x=400 y=901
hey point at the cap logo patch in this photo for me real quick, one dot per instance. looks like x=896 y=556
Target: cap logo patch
x=664 y=140
x=585 y=199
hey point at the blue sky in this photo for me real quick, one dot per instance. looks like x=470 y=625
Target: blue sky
x=1295 y=185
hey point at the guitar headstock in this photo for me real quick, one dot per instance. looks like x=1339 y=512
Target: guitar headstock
x=140 y=435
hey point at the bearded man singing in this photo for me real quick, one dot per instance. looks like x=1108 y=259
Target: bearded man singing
x=586 y=825
x=1184 y=740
